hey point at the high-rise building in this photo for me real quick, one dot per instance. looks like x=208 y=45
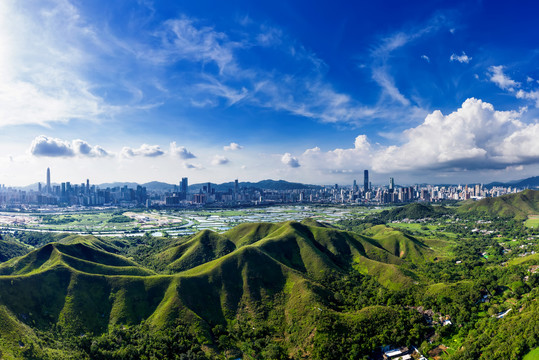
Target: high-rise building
x=391 y=184
x=354 y=187
x=49 y=180
x=366 y=180
x=236 y=189
x=183 y=188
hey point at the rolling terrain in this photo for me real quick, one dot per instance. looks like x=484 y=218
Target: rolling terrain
x=517 y=206
x=280 y=273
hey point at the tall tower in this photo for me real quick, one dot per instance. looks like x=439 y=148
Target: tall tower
x=48 y=180
x=183 y=188
x=366 y=180
x=391 y=184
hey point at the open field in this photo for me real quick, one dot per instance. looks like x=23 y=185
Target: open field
x=174 y=222
x=532 y=355
x=532 y=222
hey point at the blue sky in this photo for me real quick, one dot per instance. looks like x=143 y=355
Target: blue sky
x=439 y=91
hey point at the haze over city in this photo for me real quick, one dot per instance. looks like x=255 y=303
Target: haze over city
x=439 y=92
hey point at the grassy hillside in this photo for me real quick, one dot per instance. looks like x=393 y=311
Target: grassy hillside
x=278 y=274
x=10 y=249
x=518 y=205
x=414 y=211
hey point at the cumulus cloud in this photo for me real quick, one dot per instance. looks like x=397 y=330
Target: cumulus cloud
x=290 y=160
x=83 y=148
x=219 y=160
x=468 y=138
x=476 y=136
x=498 y=77
x=340 y=160
x=53 y=147
x=233 y=146
x=181 y=151
x=143 y=150
x=460 y=58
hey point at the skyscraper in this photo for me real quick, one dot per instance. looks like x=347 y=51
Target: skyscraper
x=48 y=180
x=391 y=184
x=354 y=187
x=183 y=188
x=366 y=180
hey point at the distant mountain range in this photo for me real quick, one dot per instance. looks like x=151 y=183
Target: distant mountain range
x=162 y=186
x=532 y=182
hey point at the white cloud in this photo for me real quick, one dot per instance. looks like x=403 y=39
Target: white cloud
x=232 y=147
x=530 y=95
x=498 y=77
x=290 y=160
x=219 y=160
x=183 y=40
x=52 y=147
x=144 y=150
x=40 y=81
x=386 y=81
x=476 y=136
x=426 y=58
x=460 y=58
x=181 y=151
x=190 y=166
x=83 y=148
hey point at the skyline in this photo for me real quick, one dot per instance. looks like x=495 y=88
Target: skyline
x=313 y=93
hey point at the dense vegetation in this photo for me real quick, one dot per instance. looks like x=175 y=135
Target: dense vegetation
x=428 y=276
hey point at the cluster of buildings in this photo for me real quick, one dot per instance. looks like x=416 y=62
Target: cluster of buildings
x=86 y=194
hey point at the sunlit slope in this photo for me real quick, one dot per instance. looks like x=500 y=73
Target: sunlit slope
x=314 y=250
x=399 y=244
x=518 y=205
x=276 y=271
x=201 y=248
x=78 y=256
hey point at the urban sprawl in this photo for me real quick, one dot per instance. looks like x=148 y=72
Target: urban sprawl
x=86 y=194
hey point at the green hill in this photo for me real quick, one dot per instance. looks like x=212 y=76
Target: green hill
x=279 y=274
x=414 y=211
x=517 y=206
x=10 y=249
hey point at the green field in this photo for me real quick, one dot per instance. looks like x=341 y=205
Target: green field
x=532 y=222
x=532 y=355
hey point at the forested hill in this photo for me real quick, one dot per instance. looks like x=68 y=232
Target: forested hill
x=414 y=211
x=517 y=206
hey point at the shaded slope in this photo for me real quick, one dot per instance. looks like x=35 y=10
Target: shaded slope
x=201 y=248
x=11 y=249
x=399 y=244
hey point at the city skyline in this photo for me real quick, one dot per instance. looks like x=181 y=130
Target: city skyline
x=66 y=195
x=306 y=92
